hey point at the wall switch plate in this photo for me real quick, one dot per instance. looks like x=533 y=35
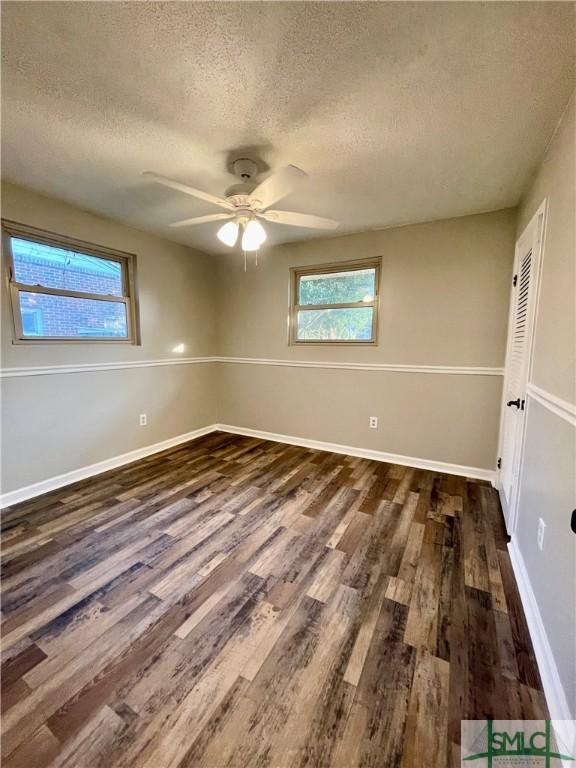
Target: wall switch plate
x=373 y=422
x=540 y=535
x=143 y=419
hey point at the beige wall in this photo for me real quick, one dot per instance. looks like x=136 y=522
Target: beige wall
x=53 y=424
x=444 y=294
x=176 y=287
x=444 y=302
x=549 y=470
x=447 y=418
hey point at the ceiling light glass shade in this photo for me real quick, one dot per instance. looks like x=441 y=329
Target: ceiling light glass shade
x=228 y=233
x=254 y=235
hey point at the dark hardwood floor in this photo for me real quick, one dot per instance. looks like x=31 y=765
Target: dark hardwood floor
x=237 y=602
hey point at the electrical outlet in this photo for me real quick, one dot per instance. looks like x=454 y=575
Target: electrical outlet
x=373 y=422
x=541 y=532
x=143 y=419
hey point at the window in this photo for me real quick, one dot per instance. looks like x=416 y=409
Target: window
x=65 y=290
x=335 y=303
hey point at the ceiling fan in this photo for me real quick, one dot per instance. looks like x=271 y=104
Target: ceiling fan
x=247 y=202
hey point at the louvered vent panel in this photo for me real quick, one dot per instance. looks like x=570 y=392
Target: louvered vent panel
x=517 y=360
x=517 y=355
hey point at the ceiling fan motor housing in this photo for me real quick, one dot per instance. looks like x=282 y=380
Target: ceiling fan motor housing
x=238 y=193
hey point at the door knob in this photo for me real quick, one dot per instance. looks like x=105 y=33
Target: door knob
x=515 y=403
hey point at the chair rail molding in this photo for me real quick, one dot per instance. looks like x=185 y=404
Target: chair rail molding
x=452 y=370
x=556 y=405
x=395 y=367
x=52 y=370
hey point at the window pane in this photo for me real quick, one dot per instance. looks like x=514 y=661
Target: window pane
x=338 y=287
x=72 y=318
x=39 y=264
x=31 y=321
x=352 y=324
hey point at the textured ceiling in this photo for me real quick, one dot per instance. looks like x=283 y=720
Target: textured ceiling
x=400 y=112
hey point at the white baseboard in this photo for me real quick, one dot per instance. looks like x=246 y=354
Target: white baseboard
x=52 y=483
x=551 y=682
x=365 y=453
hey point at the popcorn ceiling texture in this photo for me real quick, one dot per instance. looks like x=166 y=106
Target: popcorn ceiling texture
x=400 y=112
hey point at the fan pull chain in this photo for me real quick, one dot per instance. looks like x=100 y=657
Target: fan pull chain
x=245 y=259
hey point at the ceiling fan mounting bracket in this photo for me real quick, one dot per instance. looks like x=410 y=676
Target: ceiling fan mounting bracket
x=244 y=168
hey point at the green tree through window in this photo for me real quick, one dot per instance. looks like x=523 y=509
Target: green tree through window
x=337 y=304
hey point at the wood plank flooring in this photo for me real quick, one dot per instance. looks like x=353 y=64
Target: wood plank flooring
x=236 y=602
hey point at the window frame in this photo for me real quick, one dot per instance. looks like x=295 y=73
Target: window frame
x=44 y=237
x=337 y=266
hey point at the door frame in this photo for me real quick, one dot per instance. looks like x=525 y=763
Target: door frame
x=538 y=220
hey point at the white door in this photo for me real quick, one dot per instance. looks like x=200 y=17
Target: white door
x=518 y=360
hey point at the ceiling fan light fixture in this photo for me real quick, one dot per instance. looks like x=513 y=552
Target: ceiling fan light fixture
x=228 y=233
x=247 y=202
x=253 y=236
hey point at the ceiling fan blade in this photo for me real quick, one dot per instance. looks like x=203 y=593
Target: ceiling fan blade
x=189 y=190
x=299 y=219
x=202 y=219
x=277 y=186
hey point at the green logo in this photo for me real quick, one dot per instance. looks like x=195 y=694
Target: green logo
x=519 y=743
